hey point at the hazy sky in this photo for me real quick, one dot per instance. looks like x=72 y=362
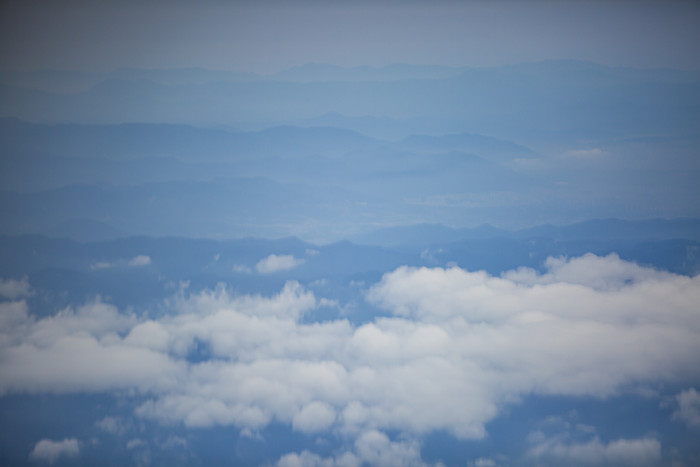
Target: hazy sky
x=270 y=36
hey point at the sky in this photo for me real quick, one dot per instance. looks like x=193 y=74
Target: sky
x=267 y=37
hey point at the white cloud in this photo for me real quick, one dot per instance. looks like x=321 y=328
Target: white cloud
x=174 y=442
x=241 y=269
x=135 y=262
x=458 y=347
x=275 y=263
x=483 y=462
x=135 y=443
x=314 y=417
x=112 y=425
x=80 y=350
x=374 y=448
x=688 y=407
x=370 y=448
x=102 y=265
x=13 y=315
x=632 y=452
x=309 y=459
x=140 y=260
x=50 y=451
x=598 y=272
x=14 y=289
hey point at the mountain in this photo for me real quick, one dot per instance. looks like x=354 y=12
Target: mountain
x=478 y=144
x=317 y=72
x=507 y=102
x=423 y=235
x=86 y=230
x=618 y=229
x=138 y=140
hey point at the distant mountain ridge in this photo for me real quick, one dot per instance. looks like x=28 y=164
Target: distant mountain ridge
x=133 y=140
x=318 y=72
x=595 y=229
x=83 y=230
x=553 y=96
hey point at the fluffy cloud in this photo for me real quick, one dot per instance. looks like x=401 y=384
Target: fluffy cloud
x=688 y=407
x=457 y=348
x=632 y=452
x=275 y=263
x=241 y=269
x=370 y=448
x=50 y=451
x=14 y=289
x=112 y=425
x=79 y=350
x=644 y=323
x=315 y=416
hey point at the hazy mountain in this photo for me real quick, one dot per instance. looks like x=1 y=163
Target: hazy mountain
x=86 y=230
x=318 y=72
x=596 y=229
x=384 y=127
x=129 y=141
x=496 y=148
x=500 y=101
x=617 y=229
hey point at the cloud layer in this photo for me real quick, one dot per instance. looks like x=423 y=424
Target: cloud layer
x=458 y=347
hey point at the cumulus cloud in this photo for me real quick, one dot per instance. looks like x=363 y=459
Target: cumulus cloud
x=315 y=416
x=79 y=350
x=370 y=448
x=688 y=407
x=14 y=289
x=632 y=452
x=112 y=425
x=275 y=263
x=50 y=451
x=309 y=459
x=457 y=347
